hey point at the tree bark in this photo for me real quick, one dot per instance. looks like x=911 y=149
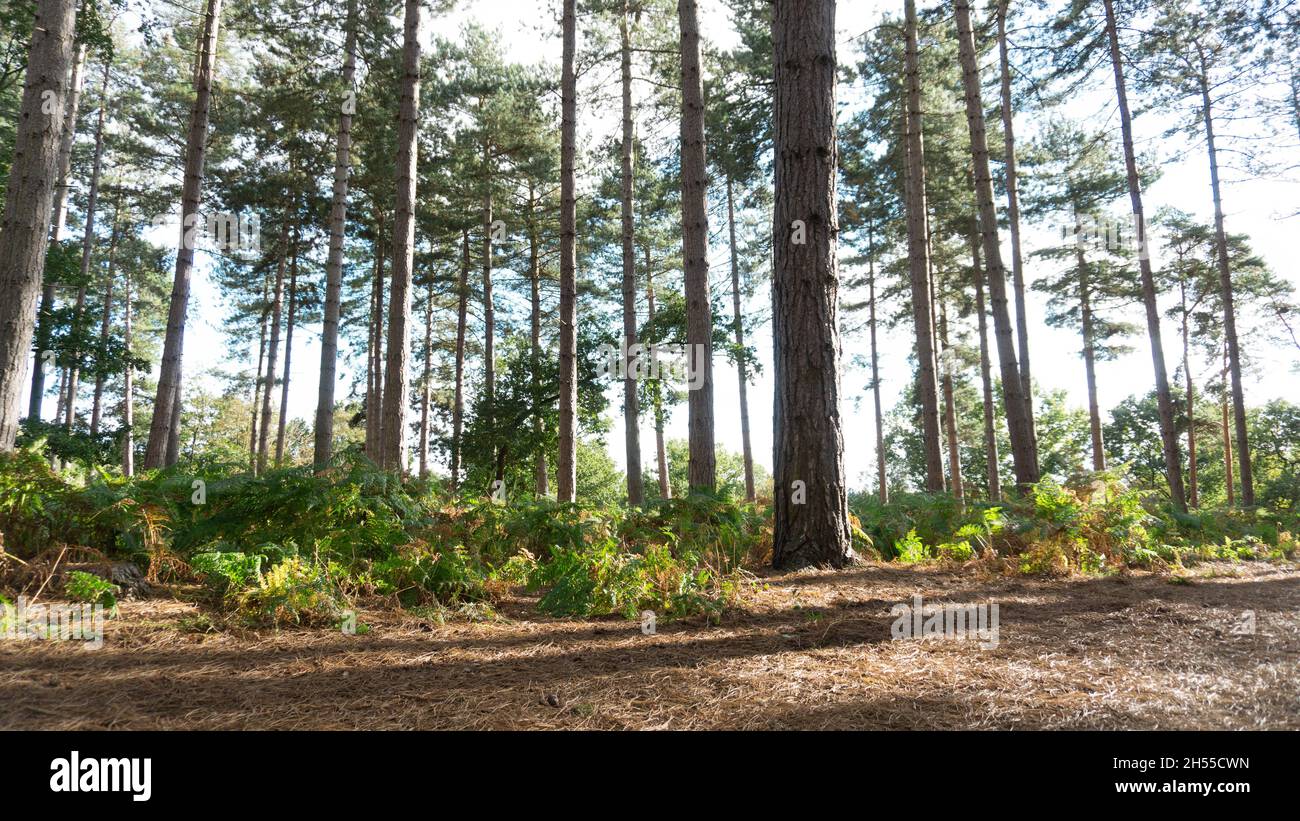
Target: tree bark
x=128 y=379
x=631 y=409
x=323 y=448
x=1089 y=357
x=458 y=404
x=1164 y=401
x=268 y=383
x=918 y=259
x=1018 y=410
x=1013 y=220
x=23 y=231
x=396 y=378
x=424 y=381
x=1193 y=492
x=288 y=348
x=541 y=482
x=992 y=476
x=1227 y=435
x=701 y=469
x=1229 y=309
x=162 y=432
x=742 y=369
x=566 y=476
x=257 y=378
x=105 y=321
x=881 y=477
x=58 y=217
x=950 y=412
x=661 y=450
x=811 y=505
x=87 y=244
x=375 y=391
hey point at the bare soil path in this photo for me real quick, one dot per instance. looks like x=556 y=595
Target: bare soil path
x=811 y=650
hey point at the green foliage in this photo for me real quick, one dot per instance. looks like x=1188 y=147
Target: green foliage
x=87 y=587
x=417 y=575
x=295 y=591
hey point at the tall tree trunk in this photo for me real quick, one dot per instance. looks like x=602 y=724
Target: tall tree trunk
x=55 y=225
x=1089 y=357
x=950 y=410
x=881 y=478
x=288 y=348
x=458 y=404
x=1013 y=220
x=811 y=504
x=268 y=383
x=631 y=409
x=489 y=312
x=424 y=381
x=105 y=322
x=1018 y=409
x=992 y=478
x=88 y=243
x=701 y=470
x=566 y=476
x=1193 y=491
x=128 y=380
x=23 y=231
x=661 y=450
x=918 y=259
x=323 y=448
x=162 y=432
x=742 y=368
x=375 y=391
x=1164 y=401
x=257 y=377
x=1227 y=435
x=1229 y=308
x=396 y=379
x=541 y=481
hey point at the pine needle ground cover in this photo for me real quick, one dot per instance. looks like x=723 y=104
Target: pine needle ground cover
x=348 y=598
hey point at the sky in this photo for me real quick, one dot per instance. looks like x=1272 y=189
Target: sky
x=1256 y=207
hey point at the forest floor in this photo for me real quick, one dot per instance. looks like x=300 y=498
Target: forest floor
x=810 y=650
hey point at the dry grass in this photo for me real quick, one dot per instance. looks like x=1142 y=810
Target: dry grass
x=811 y=651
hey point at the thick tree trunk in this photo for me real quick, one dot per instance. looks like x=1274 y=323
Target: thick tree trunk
x=701 y=470
x=24 y=230
x=458 y=404
x=541 y=482
x=105 y=322
x=288 y=349
x=162 y=432
x=992 y=477
x=881 y=477
x=661 y=450
x=631 y=409
x=323 y=448
x=918 y=259
x=950 y=411
x=1086 y=326
x=58 y=216
x=1018 y=410
x=811 y=504
x=566 y=476
x=1229 y=308
x=738 y=328
x=1013 y=220
x=396 y=378
x=268 y=379
x=1164 y=401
